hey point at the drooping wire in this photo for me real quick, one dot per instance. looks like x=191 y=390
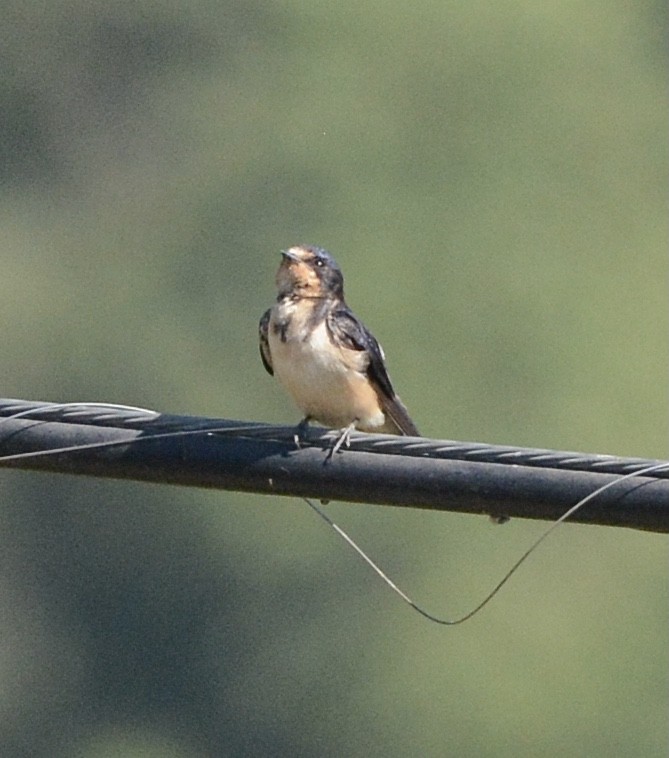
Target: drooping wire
x=470 y=614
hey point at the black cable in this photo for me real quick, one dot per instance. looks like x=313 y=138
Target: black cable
x=402 y=471
x=105 y=414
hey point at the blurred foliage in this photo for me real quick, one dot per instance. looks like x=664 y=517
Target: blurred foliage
x=491 y=177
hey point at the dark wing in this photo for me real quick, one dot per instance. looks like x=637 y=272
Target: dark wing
x=350 y=332
x=263 y=328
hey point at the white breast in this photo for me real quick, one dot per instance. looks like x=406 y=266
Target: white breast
x=326 y=382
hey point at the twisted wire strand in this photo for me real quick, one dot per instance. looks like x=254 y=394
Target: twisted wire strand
x=121 y=416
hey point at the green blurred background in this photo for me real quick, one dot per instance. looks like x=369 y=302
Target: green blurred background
x=491 y=178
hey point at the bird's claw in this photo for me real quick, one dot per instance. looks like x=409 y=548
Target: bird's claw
x=343 y=439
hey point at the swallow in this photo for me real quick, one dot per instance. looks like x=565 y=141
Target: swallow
x=323 y=355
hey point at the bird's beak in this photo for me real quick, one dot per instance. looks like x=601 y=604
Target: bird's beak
x=290 y=255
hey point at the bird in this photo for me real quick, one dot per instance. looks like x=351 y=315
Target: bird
x=322 y=354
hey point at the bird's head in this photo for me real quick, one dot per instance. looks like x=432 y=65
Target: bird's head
x=309 y=271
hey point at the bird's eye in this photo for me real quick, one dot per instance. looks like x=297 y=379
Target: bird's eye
x=319 y=262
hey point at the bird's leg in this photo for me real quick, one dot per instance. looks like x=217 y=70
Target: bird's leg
x=344 y=437
x=301 y=431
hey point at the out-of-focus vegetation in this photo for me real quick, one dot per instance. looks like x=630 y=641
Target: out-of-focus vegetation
x=491 y=177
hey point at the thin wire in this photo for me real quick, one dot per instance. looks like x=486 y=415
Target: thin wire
x=509 y=573
x=81 y=404
x=109 y=443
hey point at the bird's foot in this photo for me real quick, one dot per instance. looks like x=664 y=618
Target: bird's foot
x=344 y=438
x=301 y=432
